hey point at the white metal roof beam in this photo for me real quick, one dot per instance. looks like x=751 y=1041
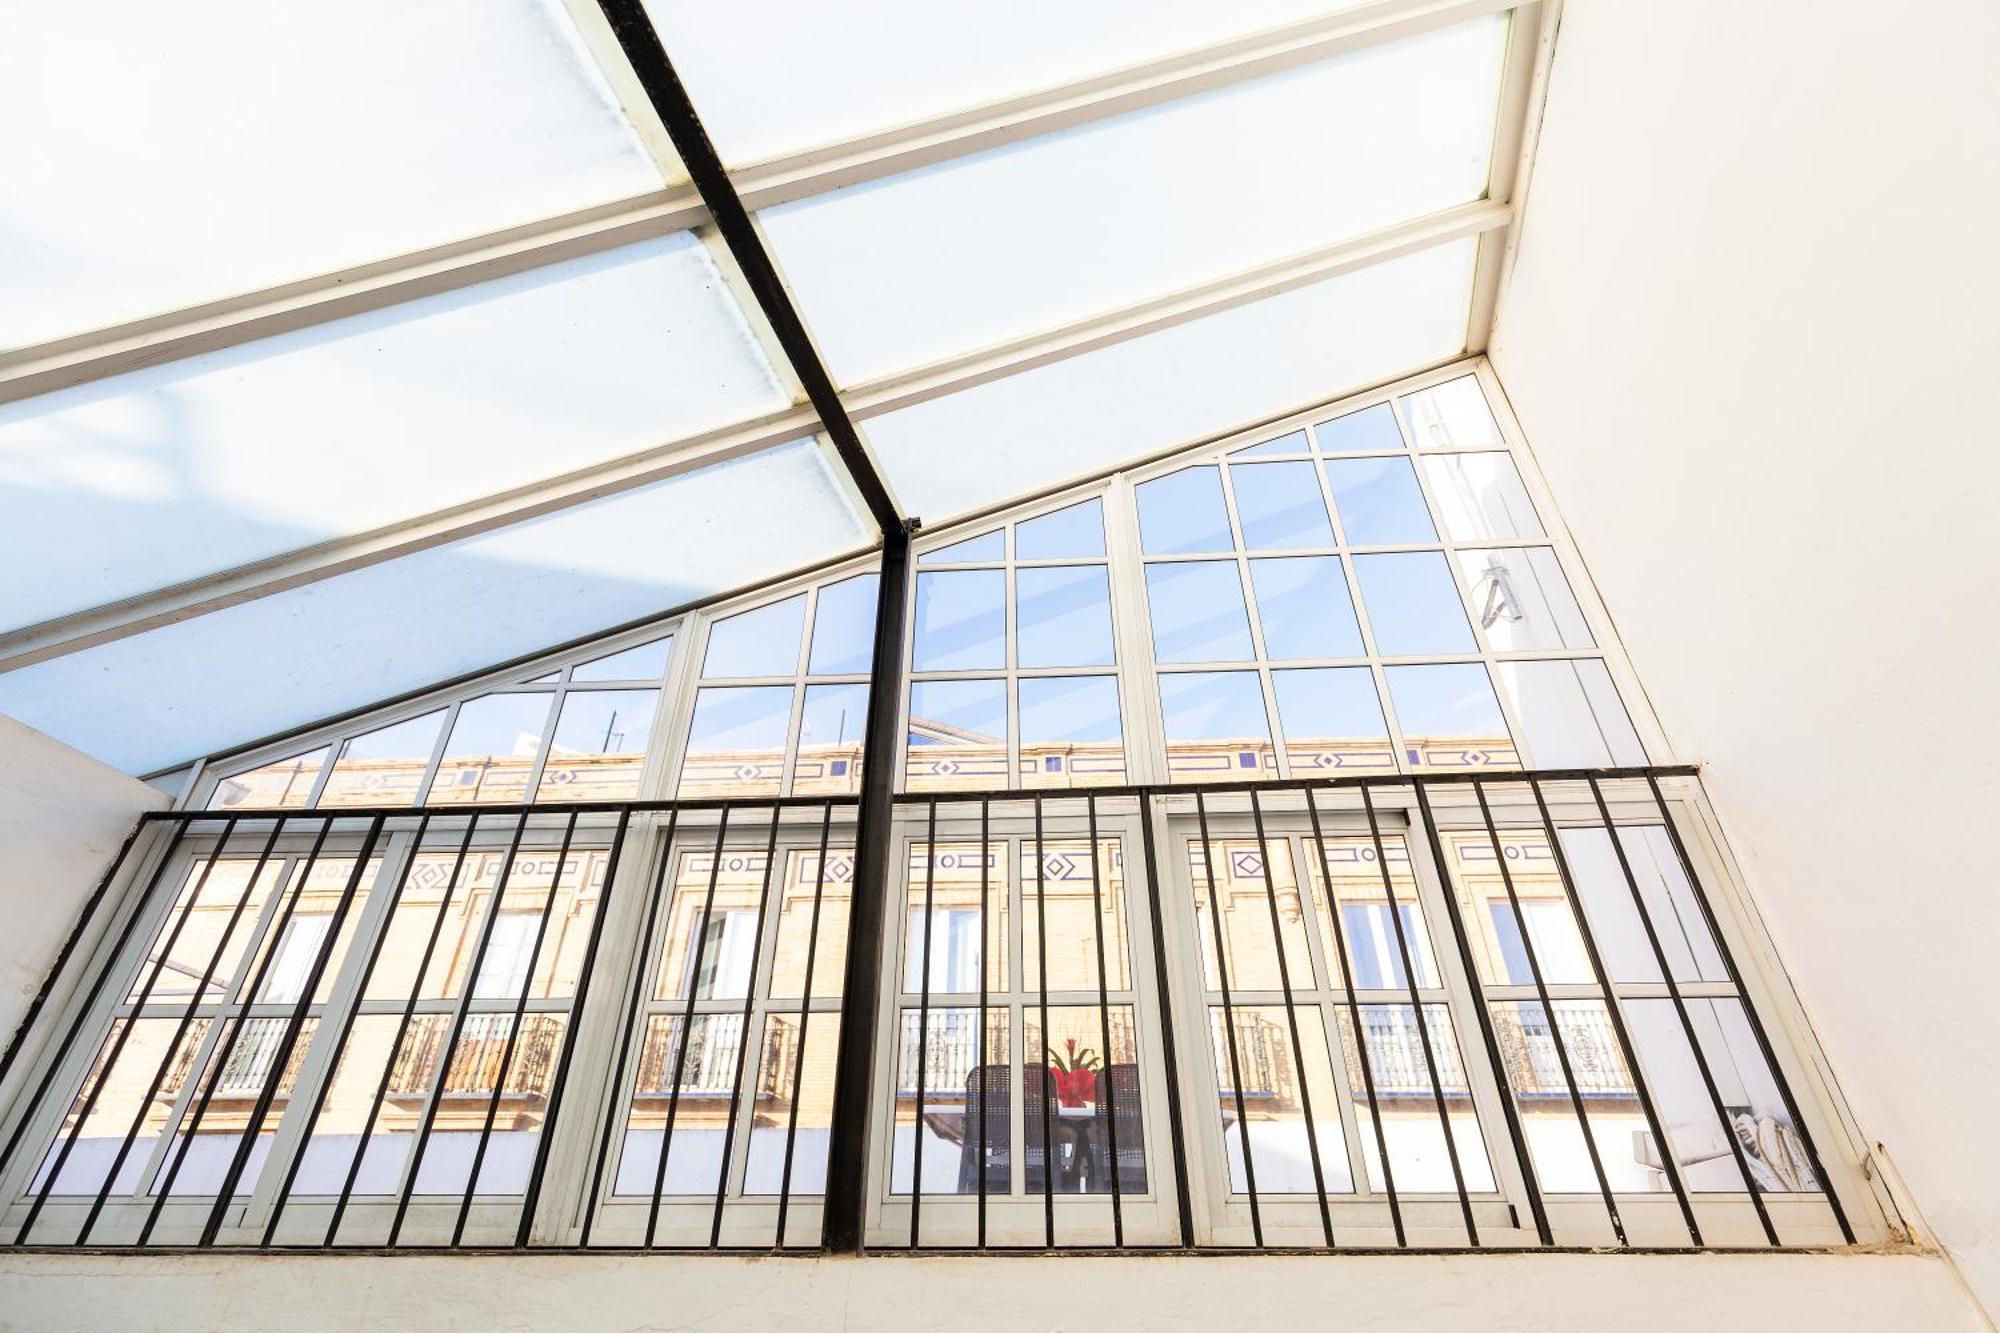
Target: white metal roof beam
x=250 y=315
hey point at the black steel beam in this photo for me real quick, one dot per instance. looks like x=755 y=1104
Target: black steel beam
x=670 y=100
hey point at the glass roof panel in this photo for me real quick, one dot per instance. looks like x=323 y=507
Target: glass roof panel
x=183 y=153
x=1090 y=413
x=906 y=271
x=230 y=676
x=869 y=65
x=199 y=465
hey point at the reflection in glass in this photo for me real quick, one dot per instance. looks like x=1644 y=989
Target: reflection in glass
x=1243 y=883
x=198 y=934
x=952 y=882
x=1078 y=1098
x=1670 y=903
x=1449 y=716
x=794 y=1103
x=492 y=749
x=1413 y=604
x=1197 y=611
x=703 y=1068
x=987 y=548
x=711 y=938
x=1216 y=727
x=1285 y=446
x=1279 y=506
x=1082 y=902
x=763 y=642
x=1613 y=1115
x=1073 y=533
x=1274 y=1099
x=1071 y=731
x=385 y=766
x=961 y=1097
x=599 y=746
x=1183 y=512
x=844 y=627
x=1331 y=720
x=1063 y=616
x=1304 y=609
x=1570 y=714
x=1452 y=415
x=1522 y=600
x=1500 y=949
x=647 y=661
x=1480 y=497
x=961 y=620
x=957 y=735
x=736 y=742
x=282 y=784
x=1375 y=941
x=802 y=882
x=1407 y=1096
x=1370 y=428
x=832 y=726
x=1379 y=501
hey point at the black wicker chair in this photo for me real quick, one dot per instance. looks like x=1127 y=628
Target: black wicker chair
x=1118 y=1094
x=986 y=1090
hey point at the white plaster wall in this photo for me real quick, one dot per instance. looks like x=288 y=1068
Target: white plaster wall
x=62 y=816
x=1753 y=336
x=1713 y=1293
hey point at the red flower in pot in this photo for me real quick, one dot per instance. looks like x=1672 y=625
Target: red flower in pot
x=1074 y=1072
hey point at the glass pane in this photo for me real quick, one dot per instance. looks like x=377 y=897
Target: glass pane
x=961 y=620
x=1449 y=717
x=1332 y=720
x=736 y=743
x=1071 y=731
x=1570 y=714
x=1075 y=532
x=1522 y=600
x=990 y=548
x=1183 y=512
x=1082 y=900
x=1379 y=501
x=802 y=885
x=648 y=661
x=968 y=253
x=711 y=927
x=763 y=642
x=955 y=881
x=1079 y=1101
x=793 y=1109
x=352 y=1110
x=1063 y=616
x=600 y=745
x=1377 y=943
x=207 y=931
x=282 y=784
x=958 y=735
x=385 y=766
x=455 y=900
x=1419 y=1153
x=1264 y=1070
x=1280 y=507
x=1357 y=432
x=1215 y=726
x=1481 y=497
x=954 y=1066
x=1452 y=415
x=699 y=1094
x=493 y=746
x=1197 y=612
x=1498 y=945
x=1089 y=413
x=1614 y=1118
x=832 y=727
x=1304 y=609
x=1670 y=905
x=1244 y=884
x=1413 y=604
x=844 y=627
x=524 y=129
x=1286 y=446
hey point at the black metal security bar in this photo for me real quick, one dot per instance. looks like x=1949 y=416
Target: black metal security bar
x=598 y=1026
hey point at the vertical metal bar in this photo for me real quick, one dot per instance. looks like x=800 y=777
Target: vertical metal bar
x=847 y=1174
x=805 y=1014
x=110 y=1063
x=1417 y=1016
x=340 y=1038
x=1104 y=1028
x=1687 y=1024
x=1229 y=1021
x=1548 y=1012
x=459 y=1013
x=743 y=1045
x=1508 y=1112
x=584 y=973
x=1292 y=1018
x=1354 y=1012
x=1183 y=1200
x=1042 y=1037
x=225 y=1050
x=700 y=943
x=1625 y=1048
x=293 y=1026
x=186 y=1019
x=640 y=974
x=403 y=1024
x=1749 y=1010
x=979 y=1026
x=923 y=1022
